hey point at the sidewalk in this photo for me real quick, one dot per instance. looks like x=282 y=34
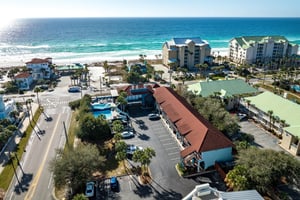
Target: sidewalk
x=15 y=139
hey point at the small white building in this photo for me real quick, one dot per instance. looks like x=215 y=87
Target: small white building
x=185 y=52
x=253 y=49
x=40 y=68
x=205 y=191
x=6 y=107
x=24 y=80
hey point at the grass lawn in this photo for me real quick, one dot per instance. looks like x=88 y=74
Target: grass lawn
x=8 y=172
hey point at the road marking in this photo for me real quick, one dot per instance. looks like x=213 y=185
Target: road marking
x=166 y=139
x=50 y=180
x=129 y=182
x=173 y=153
x=174 y=158
x=32 y=187
x=165 y=135
x=171 y=148
x=168 y=144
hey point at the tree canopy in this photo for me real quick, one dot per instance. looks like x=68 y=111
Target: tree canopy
x=93 y=128
x=262 y=170
x=75 y=167
x=212 y=109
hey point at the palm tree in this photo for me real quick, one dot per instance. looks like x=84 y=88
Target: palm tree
x=122 y=101
x=37 y=90
x=270 y=113
x=160 y=72
x=248 y=106
x=199 y=67
x=120 y=148
x=144 y=157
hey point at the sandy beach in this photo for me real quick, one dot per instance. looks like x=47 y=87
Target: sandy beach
x=13 y=61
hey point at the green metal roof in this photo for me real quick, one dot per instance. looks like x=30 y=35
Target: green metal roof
x=246 y=41
x=227 y=88
x=281 y=107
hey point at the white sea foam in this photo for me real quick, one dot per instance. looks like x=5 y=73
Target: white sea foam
x=69 y=57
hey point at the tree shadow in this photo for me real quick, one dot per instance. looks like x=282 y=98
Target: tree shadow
x=143 y=127
x=165 y=194
x=23 y=183
x=143 y=137
x=142 y=191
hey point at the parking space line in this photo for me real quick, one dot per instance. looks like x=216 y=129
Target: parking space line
x=173 y=153
x=164 y=135
x=168 y=143
x=165 y=139
x=175 y=159
x=170 y=148
x=129 y=182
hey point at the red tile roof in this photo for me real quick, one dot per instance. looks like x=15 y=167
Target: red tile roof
x=38 y=61
x=23 y=75
x=200 y=133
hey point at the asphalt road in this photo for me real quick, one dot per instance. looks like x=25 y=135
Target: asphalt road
x=34 y=178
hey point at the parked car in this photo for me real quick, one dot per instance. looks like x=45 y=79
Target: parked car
x=132 y=148
x=241 y=116
x=89 y=190
x=48 y=118
x=153 y=116
x=74 y=89
x=114 y=183
x=127 y=134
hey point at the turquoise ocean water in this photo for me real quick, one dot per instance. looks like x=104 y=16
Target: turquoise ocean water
x=97 y=39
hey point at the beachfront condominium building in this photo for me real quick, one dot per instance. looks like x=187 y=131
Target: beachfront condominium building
x=185 y=52
x=40 y=68
x=260 y=49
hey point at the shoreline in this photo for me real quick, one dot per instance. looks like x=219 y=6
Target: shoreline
x=90 y=58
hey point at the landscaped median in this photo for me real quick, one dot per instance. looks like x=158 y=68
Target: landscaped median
x=9 y=170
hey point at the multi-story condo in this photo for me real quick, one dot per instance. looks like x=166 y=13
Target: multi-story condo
x=255 y=49
x=185 y=52
x=40 y=68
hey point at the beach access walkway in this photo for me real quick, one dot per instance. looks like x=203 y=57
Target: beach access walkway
x=14 y=140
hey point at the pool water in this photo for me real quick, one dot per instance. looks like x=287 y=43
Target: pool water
x=296 y=87
x=106 y=113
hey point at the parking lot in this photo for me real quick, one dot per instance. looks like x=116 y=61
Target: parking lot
x=263 y=139
x=166 y=183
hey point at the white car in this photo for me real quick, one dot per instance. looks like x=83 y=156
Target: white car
x=132 y=148
x=127 y=134
x=89 y=191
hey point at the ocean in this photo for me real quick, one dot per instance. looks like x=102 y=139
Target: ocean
x=86 y=40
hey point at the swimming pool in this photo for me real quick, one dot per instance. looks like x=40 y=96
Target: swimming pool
x=296 y=88
x=106 y=113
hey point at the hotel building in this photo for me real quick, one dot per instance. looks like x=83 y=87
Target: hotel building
x=40 y=68
x=185 y=52
x=254 y=49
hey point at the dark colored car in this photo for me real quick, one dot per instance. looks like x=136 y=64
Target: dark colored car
x=114 y=183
